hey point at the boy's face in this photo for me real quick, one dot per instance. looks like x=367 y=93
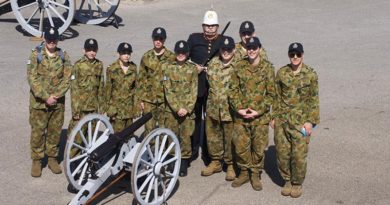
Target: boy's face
x=90 y=53
x=181 y=57
x=158 y=43
x=125 y=57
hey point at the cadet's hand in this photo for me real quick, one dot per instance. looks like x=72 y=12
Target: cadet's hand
x=52 y=100
x=243 y=112
x=182 y=112
x=272 y=124
x=308 y=126
x=200 y=68
x=76 y=117
x=251 y=114
x=142 y=106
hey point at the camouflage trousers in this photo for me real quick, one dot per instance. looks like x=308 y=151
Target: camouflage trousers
x=291 y=152
x=157 y=119
x=46 y=128
x=219 y=139
x=250 y=142
x=183 y=130
x=120 y=124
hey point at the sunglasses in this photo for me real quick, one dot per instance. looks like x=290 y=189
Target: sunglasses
x=246 y=33
x=293 y=54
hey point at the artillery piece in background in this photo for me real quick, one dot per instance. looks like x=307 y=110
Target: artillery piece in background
x=35 y=15
x=98 y=154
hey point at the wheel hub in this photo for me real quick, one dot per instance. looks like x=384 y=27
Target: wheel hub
x=158 y=169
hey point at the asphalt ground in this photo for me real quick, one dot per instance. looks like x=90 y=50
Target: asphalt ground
x=347 y=42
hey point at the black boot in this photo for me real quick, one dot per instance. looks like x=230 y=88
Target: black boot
x=183 y=167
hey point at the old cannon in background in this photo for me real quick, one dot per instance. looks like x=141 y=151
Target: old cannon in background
x=35 y=15
x=94 y=154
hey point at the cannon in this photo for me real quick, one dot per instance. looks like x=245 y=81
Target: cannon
x=94 y=154
x=35 y=15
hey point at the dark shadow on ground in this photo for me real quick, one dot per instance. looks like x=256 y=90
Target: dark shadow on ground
x=270 y=166
x=120 y=188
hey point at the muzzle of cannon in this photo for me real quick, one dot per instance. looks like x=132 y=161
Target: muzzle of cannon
x=94 y=154
x=118 y=138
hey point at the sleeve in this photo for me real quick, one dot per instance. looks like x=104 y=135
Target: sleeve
x=141 y=82
x=234 y=98
x=110 y=110
x=74 y=91
x=32 y=77
x=101 y=94
x=65 y=83
x=193 y=91
x=278 y=91
x=314 y=102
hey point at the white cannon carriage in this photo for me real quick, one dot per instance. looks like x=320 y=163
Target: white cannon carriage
x=35 y=15
x=98 y=154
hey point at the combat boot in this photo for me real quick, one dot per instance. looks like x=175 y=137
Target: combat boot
x=255 y=181
x=242 y=179
x=214 y=167
x=36 y=168
x=286 y=190
x=54 y=166
x=230 y=174
x=184 y=167
x=296 y=191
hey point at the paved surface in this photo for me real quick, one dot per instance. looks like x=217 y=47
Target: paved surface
x=346 y=41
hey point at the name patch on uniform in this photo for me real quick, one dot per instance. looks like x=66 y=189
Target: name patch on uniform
x=72 y=77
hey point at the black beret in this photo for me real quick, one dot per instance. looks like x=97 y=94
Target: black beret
x=91 y=44
x=159 y=32
x=51 y=34
x=253 y=42
x=125 y=48
x=295 y=47
x=182 y=47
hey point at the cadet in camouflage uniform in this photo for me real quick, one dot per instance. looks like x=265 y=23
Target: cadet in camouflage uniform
x=48 y=73
x=296 y=108
x=180 y=81
x=150 y=93
x=247 y=30
x=219 y=123
x=120 y=89
x=253 y=93
x=87 y=86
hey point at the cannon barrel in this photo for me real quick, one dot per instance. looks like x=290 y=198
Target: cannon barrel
x=117 y=138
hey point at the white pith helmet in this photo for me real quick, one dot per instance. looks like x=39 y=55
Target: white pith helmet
x=210 y=18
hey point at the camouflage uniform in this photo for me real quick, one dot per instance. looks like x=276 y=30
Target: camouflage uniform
x=49 y=77
x=120 y=94
x=297 y=102
x=150 y=90
x=180 y=92
x=241 y=52
x=219 y=123
x=87 y=90
x=252 y=87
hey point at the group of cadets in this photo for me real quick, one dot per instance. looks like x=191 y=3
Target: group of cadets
x=238 y=84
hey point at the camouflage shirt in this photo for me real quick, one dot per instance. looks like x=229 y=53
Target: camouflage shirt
x=297 y=96
x=120 y=90
x=87 y=81
x=150 y=76
x=49 y=77
x=180 y=83
x=219 y=77
x=253 y=87
x=241 y=52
